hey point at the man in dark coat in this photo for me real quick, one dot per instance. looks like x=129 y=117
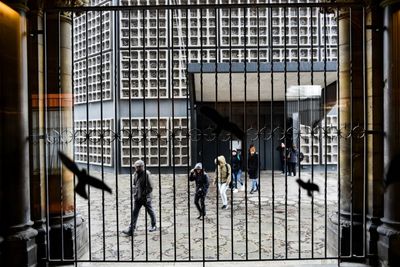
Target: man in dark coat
x=201 y=178
x=236 y=171
x=142 y=188
x=282 y=155
x=293 y=154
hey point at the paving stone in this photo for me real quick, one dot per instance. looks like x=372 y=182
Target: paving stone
x=278 y=209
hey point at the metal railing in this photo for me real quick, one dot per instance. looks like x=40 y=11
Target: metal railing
x=131 y=94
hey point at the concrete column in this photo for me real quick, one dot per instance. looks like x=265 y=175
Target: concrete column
x=59 y=127
x=351 y=149
x=15 y=223
x=37 y=144
x=389 y=231
x=375 y=124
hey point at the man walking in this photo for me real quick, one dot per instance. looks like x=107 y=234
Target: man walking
x=236 y=171
x=142 y=188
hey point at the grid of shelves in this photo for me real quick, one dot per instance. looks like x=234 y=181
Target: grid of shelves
x=99 y=79
x=181 y=144
x=331 y=151
x=151 y=77
x=92 y=57
x=309 y=145
x=137 y=145
x=97 y=156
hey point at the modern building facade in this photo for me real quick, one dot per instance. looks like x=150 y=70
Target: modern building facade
x=145 y=86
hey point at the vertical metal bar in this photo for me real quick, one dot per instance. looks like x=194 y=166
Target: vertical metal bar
x=351 y=128
x=87 y=131
x=286 y=126
x=258 y=132
x=230 y=116
x=117 y=128
x=312 y=135
x=188 y=129
x=365 y=96
x=158 y=131
x=326 y=138
x=271 y=55
x=102 y=133
x=171 y=92
x=59 y=139
x=46 y=163
x=130 y=133
x=299 y=129
x=145 y=121
x=245 y=122
x=338 y=132
x=215 y=106
x=73 y=126
x=199 y=11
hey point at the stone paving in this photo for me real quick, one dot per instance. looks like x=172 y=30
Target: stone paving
x=222 y=235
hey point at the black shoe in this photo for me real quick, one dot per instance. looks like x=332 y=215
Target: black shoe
x=199 y=217
x=252 y=191
x=128 y=231
x=224 y=207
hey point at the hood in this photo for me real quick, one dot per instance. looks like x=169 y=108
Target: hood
x=198 y=166
x=221 y=159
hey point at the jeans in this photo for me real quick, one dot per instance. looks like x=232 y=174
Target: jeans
x=254 y=184
x=292 y=168
x=202 y=208
x=222 y=190
x=136 y=209
x=237 y=178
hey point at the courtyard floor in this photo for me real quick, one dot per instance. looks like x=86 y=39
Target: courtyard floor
x=279 y=222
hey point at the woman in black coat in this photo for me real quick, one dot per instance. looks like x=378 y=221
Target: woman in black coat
x=252 y=168
x=201 y=178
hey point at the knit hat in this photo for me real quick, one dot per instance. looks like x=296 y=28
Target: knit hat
x=139 y=163
x=198 y=166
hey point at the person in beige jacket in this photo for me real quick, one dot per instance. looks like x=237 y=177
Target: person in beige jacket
x=223 y=174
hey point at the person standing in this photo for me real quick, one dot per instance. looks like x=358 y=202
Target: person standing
x=292 y=160
x=142 y=193
x=282 y=155
x=252 y=168
x=236 y=171
x=223 y=176
x=201 y=178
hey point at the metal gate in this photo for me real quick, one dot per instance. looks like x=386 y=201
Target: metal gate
x=126 y=82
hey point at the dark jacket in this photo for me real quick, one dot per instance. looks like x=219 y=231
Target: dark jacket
x=252 y=166
x=236 y=163
x=282 y=152
x=292 y=155
x=142 y=186
x=202 y=181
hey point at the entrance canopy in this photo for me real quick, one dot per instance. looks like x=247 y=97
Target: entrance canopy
x=224 y=82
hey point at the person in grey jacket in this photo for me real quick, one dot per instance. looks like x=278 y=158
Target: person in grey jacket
x=142 y=194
